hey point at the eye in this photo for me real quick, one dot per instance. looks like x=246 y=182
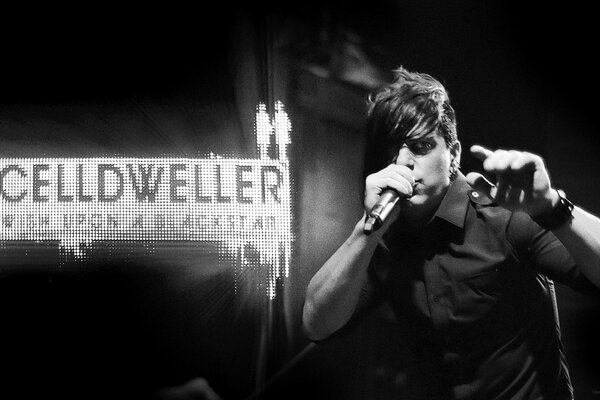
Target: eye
x=420 y=147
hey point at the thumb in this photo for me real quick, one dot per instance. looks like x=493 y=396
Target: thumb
x=481 y=184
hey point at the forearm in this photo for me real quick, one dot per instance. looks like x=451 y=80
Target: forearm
x=334 y=291
x=581 y=237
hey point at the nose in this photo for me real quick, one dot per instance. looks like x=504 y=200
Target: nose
x=405 y=157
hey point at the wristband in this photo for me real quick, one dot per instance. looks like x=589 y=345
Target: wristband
x=559 y=214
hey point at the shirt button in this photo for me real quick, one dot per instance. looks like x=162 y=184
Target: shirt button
x=436 y=298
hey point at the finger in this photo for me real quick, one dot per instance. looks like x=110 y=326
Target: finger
x=496 y=162
x=398 y=173
x=481 y=184
x=403 y=172
x=377 y=183
x=522 y=168
x=409 y=180
x=480 y=152
x=504 y=161
x=503 y=186
x=515 y=195
x=402 y=186
x=526 y=162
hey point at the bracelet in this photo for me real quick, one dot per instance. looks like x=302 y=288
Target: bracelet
x=560 y=214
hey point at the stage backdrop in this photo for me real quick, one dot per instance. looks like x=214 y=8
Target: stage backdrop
x=146 y=207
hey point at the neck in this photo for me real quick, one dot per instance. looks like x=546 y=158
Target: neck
x=417 y=216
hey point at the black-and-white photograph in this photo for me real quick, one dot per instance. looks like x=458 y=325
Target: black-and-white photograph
x=394 y=199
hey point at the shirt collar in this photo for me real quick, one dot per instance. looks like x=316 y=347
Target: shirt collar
x=455 y=203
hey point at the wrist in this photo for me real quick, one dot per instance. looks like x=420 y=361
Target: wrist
x=559 y=213
x=555 y=196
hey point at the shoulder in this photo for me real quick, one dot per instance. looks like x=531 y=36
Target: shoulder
x=516 y=227
x=509 y=224
x=487 y=210
x=479 y=198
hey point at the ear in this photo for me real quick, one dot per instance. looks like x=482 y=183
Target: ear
x=455 y=151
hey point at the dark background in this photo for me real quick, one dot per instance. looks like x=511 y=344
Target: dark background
x=185 y=81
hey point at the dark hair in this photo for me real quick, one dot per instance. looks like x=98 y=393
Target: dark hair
x=413 y=102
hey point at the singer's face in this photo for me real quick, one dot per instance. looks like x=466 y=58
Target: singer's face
x=429 y=158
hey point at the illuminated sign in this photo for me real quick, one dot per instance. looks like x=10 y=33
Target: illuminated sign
x=237 y=202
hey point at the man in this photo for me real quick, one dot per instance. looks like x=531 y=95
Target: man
x=468 y=264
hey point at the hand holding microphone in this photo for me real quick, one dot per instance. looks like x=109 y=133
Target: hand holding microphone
x=383 y=190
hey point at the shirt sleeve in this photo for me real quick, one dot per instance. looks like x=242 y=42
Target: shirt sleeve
x=546 y=253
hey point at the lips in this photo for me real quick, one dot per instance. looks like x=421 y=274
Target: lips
x=414 y=189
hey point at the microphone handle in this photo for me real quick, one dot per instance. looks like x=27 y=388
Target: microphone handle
x=380 y=210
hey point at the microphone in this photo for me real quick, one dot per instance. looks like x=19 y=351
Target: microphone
x=381 y=210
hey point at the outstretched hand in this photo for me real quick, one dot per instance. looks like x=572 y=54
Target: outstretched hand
x=522 y=181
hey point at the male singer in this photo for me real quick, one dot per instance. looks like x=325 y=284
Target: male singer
x=470 y=265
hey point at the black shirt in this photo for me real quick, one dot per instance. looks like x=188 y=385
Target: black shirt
x=475 y=288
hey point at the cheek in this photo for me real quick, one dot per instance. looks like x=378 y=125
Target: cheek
x=436 y=177
x=440 y=165
x=438 y=169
